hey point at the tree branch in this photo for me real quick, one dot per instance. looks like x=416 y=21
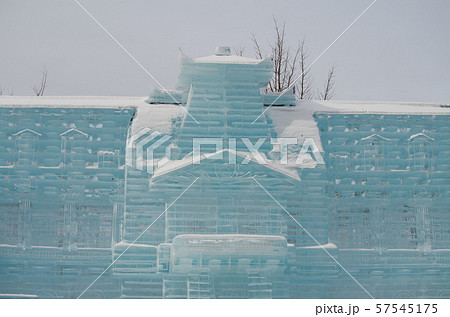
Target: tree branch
x=39 y=90
x=328 y=92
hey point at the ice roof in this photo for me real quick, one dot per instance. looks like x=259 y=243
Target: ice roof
x=156 y=117
x=387 y=107
x=305 y=108
x=288 y=121
x=223 y=56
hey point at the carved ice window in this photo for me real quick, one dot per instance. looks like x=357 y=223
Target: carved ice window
x=421 y=152
x=26 y=147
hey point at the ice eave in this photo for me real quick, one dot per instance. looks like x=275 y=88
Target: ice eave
x=420 y=135
x=75 y=131
x=375 y=136
x=27 y=130
x=204 y=237
x=130 y=244
x=321 y=246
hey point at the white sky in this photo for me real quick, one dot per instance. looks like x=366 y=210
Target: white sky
x=399 y=50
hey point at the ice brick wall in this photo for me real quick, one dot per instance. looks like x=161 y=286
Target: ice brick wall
x=61 y=197
x=389 y=193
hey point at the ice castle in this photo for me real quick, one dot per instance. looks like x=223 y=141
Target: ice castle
x=103 y=197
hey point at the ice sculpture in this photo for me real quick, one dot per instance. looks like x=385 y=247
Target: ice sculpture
x=70 y=206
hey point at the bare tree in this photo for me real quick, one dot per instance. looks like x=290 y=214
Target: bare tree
x=290 y=64
x=9 y=91
x=257 y=47
x=39 y=89
x=305 y=83
x=285 y=59
x=239 y=50
x=328 y=91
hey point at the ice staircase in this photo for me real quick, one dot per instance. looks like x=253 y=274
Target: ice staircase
x=136 y=267
x=175 y=286
x=138 y=259
x=259 y=286
x=142 y=287
x=200 y=285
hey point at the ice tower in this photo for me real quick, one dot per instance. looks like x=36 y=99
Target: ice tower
x=223 y=98
x=224 y=237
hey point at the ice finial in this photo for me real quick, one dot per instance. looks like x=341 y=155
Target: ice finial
x=223 y=51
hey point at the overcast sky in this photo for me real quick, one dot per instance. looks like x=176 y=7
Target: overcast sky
x=398 y=50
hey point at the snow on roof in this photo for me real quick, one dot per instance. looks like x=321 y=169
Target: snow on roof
x=312 y=106
x=388 y=107
x=71 y=101
x=295 y=122
x=222 y=56
x=224 y=59
x=157 y=117
x=298 y=122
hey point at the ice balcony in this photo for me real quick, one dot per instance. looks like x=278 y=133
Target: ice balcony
x=227 y=253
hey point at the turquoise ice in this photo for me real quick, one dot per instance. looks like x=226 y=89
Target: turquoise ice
x=374 y=220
